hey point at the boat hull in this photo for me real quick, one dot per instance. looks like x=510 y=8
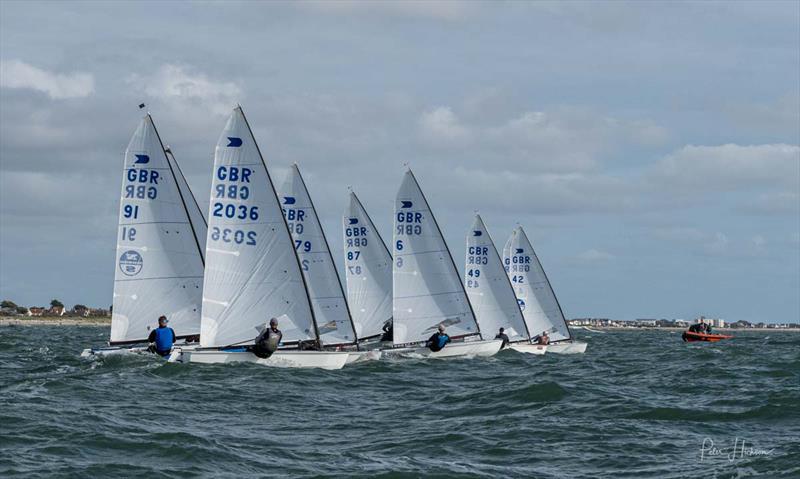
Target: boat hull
x=529 y=348
x=452 y=350
x=363 y=356
x=567 y=347
x=691 y=337
x=280 y=359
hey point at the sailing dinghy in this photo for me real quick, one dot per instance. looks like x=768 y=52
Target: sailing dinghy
x=331 y=312
x=368 y=271
x=427 y=287
x=536 y=297
x=252 y=271
x=160 y=241
x=490 y=292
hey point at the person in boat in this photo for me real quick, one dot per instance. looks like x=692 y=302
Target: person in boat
x=708 y=328
x=388 y=331
x=438 y=340
x=162 y=338
x=698 y=327
x=543 y=339
x=502 y=335
x=268 y=340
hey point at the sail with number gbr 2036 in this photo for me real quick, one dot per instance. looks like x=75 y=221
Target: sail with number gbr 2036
x=159 y=260
x=324 y=286
x=368 y=269
x=252 y=273
x=427 y=287
x=488 y=286
x=532 y=288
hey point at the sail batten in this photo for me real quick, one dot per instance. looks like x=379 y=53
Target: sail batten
x=427 y=289
x=325 y=289
x=159 y=257
x=535 y=295
x=252 y=273
x=488 y=286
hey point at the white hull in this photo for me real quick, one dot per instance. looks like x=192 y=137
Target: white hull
x=363 y=356
x=529 y=348
x=280 y=359
x=567 y=347
x=113 y=351
x=472 y=348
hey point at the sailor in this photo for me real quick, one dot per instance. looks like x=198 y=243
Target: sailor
x=502 y=335
x=438 y=340
x=708 y=327
x=268 y=340
x=543 y=339
x=698 y=327
x=162 y=338
x=388 y=331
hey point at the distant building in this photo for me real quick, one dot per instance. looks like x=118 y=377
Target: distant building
x=36 y=311
x=56 y=311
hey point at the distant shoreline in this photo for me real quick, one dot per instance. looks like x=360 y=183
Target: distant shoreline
x=671 y=329
x=55 y=321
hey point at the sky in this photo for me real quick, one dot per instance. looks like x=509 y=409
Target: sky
x=650 y=150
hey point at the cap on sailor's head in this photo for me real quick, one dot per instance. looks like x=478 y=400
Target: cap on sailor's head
x=163 y=318
x=273 y=322
x=502 y=329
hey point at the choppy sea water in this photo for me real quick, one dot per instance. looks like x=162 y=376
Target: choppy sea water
x=637 y=404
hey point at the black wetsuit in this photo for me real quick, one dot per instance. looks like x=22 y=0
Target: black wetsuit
x=438 y=341
x=267 y=342
x=697 y=328
x=388 y=332
x=504 y=337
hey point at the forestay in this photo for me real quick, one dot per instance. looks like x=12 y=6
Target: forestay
x=193 y=210
x=159 y=265
x=324 y=286
x=368 y=270
x=252 y=273
x=427 y=287
x=536 y=298
x=488 y=286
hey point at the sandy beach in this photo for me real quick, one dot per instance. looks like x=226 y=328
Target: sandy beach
x=54 y=321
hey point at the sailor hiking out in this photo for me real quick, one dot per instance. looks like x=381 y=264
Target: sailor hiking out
x=268 y=340
x=162 y=338
x=438 y=340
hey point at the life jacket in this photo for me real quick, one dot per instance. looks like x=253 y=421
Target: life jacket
x=267 y=343
x=438 y=343
x=164 y=340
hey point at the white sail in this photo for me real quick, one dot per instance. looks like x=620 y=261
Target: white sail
x=159 y=265
x=193 y=209
x=368 y=269
x=488 y=286
x=534 y=293
x=427 y=287
x=252 y=273
x=324 y=286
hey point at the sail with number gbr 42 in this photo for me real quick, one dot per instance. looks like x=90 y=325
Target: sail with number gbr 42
x=428 y=291
x=368 y=270
x=252 y=272
x=536 y=297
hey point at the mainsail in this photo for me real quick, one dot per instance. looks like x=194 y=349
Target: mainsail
x=368 y=269
x=252 y=273
x=193 y=210
x=488 y=286
x=159 y=255
x=534 y=293
x=324 y=286
x=427 y=287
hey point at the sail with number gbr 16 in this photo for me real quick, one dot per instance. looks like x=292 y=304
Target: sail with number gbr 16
x=252 y=272
x=428 y=291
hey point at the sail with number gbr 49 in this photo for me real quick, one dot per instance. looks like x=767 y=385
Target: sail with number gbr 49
x=252 y=273
x=490 y=292
x=428 y=291
x=536 y=297
x=368 y=270
x=159 y=260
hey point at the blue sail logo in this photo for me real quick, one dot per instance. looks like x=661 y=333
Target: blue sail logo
x=288 y=200
x=406 y=204
x=519 y=251
x=234 y=141
x=521 y=304
x=353 y=221
x=141 y=159
x=477 y=233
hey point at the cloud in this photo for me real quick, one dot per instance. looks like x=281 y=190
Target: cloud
x=442 y=124
x=18 y=74
x=436 y=9
x=594 y=256
x=182 y=86
x=730 y=167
